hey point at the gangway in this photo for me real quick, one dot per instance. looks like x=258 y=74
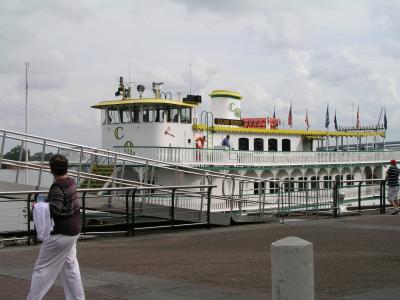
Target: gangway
x=131 y=171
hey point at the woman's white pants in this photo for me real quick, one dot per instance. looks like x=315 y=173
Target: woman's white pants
x=57 y=256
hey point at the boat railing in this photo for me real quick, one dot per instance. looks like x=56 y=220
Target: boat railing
x=229 y=157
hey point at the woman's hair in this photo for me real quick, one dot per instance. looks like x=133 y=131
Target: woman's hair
x=58 y=164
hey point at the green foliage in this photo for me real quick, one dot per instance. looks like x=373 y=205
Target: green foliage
x=38 y=156
x=15 y=153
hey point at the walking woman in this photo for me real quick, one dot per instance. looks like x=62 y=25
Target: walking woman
x=57 y=255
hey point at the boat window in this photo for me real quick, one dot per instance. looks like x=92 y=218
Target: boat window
x=274 y=186
x=258 y=145
x=244 y=144
x=302 y=184
x=104 y=113
x=259 y=187
x=289 y=184
x=113 y=116
x=272 y=145
x=314 y=182
x=124 y=115
x=147 y=113
x=172 y=114
x=159 y=114
x=135 y=113
x=186 y=115
x=285 y=145
x=340 y=179
x=350 y=177
x=328 y=184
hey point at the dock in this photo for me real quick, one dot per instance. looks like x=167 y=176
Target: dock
x=355 y=257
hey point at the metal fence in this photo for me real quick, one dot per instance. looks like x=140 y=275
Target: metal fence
x=330 y=197
x=129 y=209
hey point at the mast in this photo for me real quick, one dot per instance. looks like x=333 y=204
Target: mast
x=190 y=76
x=26 y=121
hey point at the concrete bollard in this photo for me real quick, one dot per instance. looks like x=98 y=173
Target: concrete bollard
x=292 y=268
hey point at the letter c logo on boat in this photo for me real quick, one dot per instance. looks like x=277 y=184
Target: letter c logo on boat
x=119 y=135
x=234 y=109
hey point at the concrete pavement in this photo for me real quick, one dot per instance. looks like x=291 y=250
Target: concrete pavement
x=355 y=258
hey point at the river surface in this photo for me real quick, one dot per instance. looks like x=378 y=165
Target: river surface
x=13 y=213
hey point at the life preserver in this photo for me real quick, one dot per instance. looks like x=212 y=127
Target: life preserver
x=199 y=142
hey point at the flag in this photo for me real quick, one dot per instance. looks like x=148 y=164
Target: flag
x=306 y=120
x=290 y=119
x=385 y=120
x=358 y=117
x=327 y=117
x=335 y=121
x=274 y=112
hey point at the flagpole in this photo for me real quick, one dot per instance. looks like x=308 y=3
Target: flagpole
x=385 y=126
x=26 y=121
x=327 y=126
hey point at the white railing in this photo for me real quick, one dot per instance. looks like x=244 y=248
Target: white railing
x=189 y=156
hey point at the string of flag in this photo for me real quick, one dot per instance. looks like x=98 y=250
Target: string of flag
x=327 y=118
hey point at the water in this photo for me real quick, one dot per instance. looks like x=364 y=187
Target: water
x=13 y=214
x=9 y=175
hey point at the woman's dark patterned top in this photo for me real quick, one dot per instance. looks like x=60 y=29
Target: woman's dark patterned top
x=64 y=207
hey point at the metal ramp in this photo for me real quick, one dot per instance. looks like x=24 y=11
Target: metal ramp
x=130 y=170
x=183 y=214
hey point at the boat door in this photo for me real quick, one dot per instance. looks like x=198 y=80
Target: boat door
x=244 y=144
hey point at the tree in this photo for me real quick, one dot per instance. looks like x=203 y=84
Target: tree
x=14 y=153
x=38 y=156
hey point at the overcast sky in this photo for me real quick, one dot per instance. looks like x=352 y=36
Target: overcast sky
x=311 y=53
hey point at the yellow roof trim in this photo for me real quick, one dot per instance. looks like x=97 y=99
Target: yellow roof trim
x=305 y=133
x=142 y=101
x=225 y=93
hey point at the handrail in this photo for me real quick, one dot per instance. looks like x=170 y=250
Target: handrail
x=130 y=226
x=255 y=151
x=110 y=154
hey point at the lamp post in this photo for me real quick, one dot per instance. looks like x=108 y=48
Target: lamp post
x=26 y=121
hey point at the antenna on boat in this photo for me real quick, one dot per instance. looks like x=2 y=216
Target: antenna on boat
x=379 y=120
x=140 y=88
x=123 y=91
x=157 y=89
x=190 y=75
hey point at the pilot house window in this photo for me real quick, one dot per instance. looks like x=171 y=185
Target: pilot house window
x=147 y=113
x=172 y=114
x=135 y=111
x=159 y=114
x=124 y=115
x=112 y=117
x=186 y=115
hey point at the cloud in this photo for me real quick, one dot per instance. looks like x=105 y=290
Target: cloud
x=390 y=48
x=336 y=67
x=273 y=52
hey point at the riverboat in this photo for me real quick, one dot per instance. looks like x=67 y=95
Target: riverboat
x=176 y=131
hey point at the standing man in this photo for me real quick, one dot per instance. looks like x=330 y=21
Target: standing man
x=225 y=142
x=392 y=177
x=57 y=255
